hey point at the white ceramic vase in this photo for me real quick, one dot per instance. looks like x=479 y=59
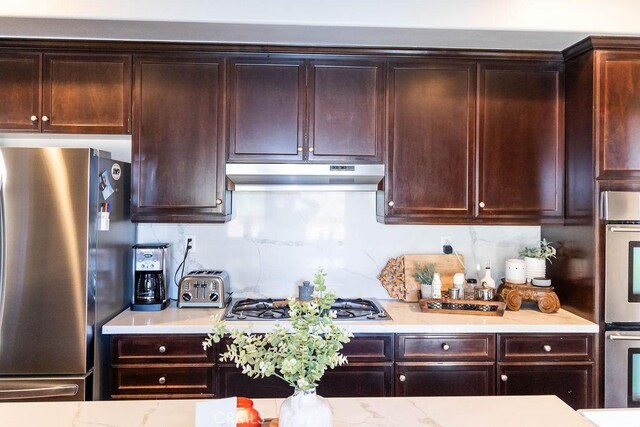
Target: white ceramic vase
x=305 y=409
x=535 y=267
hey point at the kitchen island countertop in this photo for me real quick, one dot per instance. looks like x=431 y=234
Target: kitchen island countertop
x=481 y=411
x=406 y=318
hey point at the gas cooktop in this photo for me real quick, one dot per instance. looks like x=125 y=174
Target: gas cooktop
x=277 y=309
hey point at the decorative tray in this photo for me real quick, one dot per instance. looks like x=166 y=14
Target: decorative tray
x=462 y=306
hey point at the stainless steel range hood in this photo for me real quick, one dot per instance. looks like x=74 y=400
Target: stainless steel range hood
x=303 y=177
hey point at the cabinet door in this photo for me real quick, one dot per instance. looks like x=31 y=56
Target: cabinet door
x=232 y=382
x=178 y=157
x=618 y=113
x=430 y=141
x=266 y=110
x=521 y=140
x=445 y=379
x=20 y=88
x=345 y=111
x=86 y=93
x=571 y=382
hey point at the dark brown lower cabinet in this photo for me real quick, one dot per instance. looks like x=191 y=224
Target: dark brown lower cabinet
x=570 y=381
x=174 y=367
x=445 y=379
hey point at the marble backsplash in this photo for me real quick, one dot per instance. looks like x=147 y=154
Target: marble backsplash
x=278 y=239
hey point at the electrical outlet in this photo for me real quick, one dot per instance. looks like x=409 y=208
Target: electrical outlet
x=445 y=240
x=192 y=243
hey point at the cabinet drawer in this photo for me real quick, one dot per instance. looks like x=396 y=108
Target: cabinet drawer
x=369 y=348
x=545 y=347
x=163 y=381
x=445 y=347
x=159 y=349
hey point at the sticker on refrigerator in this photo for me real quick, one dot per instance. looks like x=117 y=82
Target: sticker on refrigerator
x=116 y=171
x=105 y=186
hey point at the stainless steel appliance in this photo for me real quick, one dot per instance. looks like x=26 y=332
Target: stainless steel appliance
x=204 y=288
x=64 y=269
x=621 y=211
x=149 y=277
x=277 y=309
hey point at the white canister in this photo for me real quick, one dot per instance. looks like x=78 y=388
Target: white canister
x=515 y=271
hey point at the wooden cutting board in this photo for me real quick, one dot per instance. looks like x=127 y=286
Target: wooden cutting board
x=397 y=276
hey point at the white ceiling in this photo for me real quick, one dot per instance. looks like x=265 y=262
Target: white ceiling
x=500 y=24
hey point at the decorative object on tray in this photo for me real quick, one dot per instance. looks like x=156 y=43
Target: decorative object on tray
x=397 y=277
x=458 y=306
x=246 y=415
x=298 y=353
x=513 y=295
x=535 y=258
x=515 y=271
x=424 y=275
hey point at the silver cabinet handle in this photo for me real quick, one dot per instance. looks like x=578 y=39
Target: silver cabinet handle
x=45 y=118
x=299 y=148
x=391 y=203
x=311 y=149
x=162 y=380
x=218 y=202
x=162 y=349
x=402 y=378
x=481 y=204
x=34 y=118
x=445 y=346
x=504 y=378
x=547 y=348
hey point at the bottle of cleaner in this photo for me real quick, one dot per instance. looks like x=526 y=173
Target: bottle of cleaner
x=436 y=286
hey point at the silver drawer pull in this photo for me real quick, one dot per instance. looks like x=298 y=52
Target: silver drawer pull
x=45 y=118
x=402 y=378
x=547 y=348
x=162 y=349
x=162 y=380
x=445 y=346
x=34 y=118
x=504 y=378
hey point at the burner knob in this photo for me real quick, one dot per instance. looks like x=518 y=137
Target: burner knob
x=214 y=297
x=371 y=315
x=187 y=296
x=382 y=314
x=241 y=316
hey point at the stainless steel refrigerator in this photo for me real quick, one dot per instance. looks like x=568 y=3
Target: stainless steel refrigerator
x=64 y=270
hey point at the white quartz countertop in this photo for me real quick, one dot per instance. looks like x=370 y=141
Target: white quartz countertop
x=406 y=318
x=493 y=411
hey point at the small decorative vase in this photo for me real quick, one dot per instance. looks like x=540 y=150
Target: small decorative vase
x=535 y=267
x=305 y=409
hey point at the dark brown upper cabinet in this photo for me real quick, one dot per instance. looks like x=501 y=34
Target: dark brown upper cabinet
x=266 y=110
x=431 y=128
x=345 y=111
x=520 y=140
x=178 y=152
x=294 y=110
x=20 y=82
x=66 y=93
x=618 y=113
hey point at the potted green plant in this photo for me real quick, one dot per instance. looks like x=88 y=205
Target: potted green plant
x=535 y=258
x=424 y=276
x=298 y=353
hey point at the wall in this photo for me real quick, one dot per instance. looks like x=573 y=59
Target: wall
x=276 y=240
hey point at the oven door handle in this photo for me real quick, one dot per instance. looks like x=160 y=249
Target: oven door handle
x=624 y=229
x=619 y=337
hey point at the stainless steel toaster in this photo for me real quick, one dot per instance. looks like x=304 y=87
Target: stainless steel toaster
x=204 y=288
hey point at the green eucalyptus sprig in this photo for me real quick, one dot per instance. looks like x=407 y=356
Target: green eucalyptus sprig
x=298 y=353
x=424 y=273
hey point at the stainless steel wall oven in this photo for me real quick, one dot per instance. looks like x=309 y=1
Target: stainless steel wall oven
x=621 y=211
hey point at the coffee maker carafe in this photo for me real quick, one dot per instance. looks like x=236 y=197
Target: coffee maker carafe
x=149 y=277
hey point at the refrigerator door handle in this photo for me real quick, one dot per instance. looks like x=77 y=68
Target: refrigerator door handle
x=39 y=392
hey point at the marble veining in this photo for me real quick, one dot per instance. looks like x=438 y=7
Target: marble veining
x=477 y=411
x=278 y=239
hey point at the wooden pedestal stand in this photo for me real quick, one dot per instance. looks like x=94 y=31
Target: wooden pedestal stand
x=513 y=295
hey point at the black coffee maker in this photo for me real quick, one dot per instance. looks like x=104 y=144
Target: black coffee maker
x=149 y=277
